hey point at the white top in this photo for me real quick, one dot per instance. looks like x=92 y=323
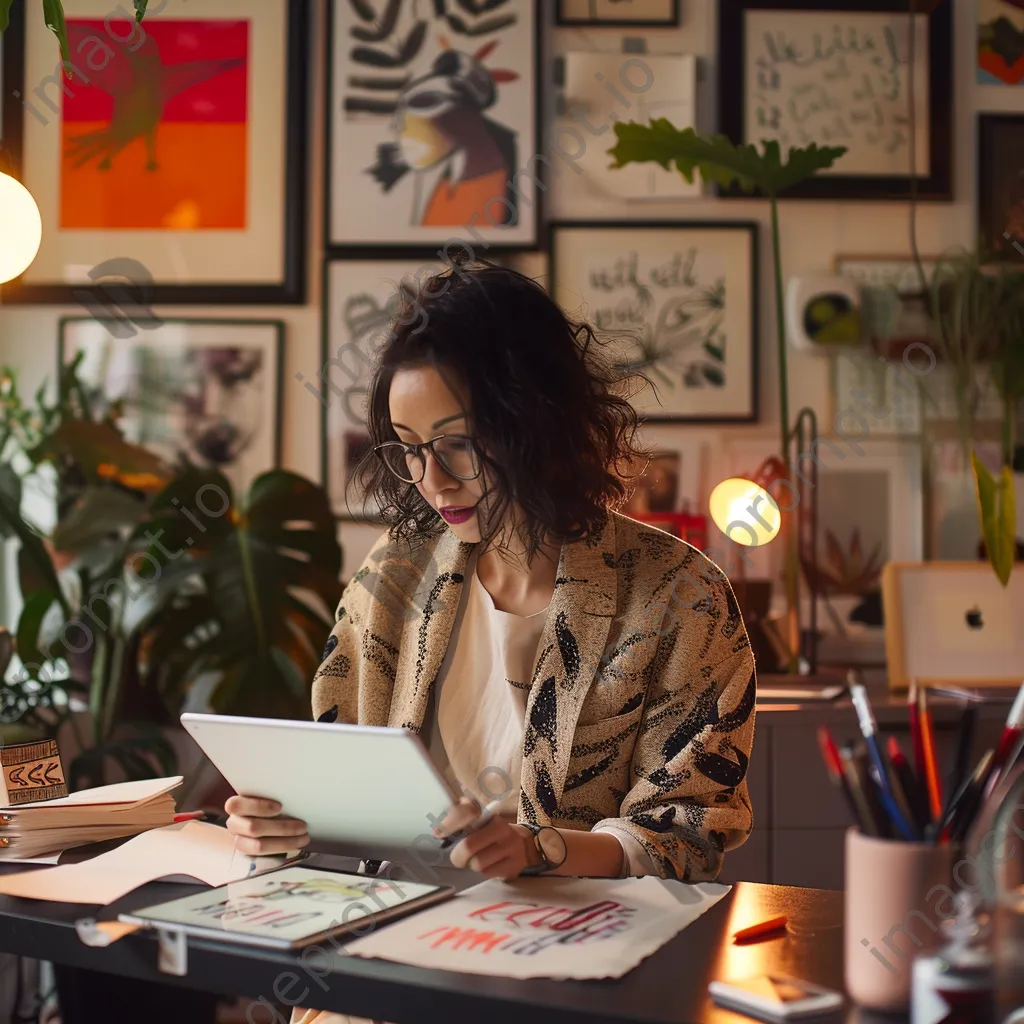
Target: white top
x=477 y=719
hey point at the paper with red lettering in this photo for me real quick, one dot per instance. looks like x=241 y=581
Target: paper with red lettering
x=544 y=927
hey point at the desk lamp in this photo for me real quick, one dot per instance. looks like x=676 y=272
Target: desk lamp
x=753 y=509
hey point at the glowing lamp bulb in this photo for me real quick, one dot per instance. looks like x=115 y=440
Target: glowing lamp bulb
x=21 y=228
x=745 y=512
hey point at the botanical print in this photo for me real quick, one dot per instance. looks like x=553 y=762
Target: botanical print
x=675 y=306
x=434 y=112
x=205 y=393
x=143 y=124
x=838 y=79
x=1000 y=42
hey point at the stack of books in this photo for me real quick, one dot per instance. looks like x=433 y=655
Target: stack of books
x=89 y=816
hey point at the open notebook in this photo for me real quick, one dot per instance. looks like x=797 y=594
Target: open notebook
x=89 y=816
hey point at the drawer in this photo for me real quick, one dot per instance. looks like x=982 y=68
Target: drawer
x=812 y=857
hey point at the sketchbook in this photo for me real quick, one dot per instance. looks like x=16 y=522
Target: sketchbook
x=291 y=907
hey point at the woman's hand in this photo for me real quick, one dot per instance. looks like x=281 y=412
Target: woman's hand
x=497 y=849
x=260 y=829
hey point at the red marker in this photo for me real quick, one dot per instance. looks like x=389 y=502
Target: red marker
x=762 y=930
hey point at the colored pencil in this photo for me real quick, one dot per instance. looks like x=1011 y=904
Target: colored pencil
x=762 y=930
x=915 y=733
x=931 y=768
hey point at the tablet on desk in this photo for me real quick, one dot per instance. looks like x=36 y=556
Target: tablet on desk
x=364 y=789
x=290 y=908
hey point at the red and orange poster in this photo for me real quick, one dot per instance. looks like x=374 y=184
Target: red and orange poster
x=154 y=129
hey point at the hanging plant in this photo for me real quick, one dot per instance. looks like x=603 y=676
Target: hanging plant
x=53 y=13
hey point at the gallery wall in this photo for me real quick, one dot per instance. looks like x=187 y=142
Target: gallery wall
x=814 y=233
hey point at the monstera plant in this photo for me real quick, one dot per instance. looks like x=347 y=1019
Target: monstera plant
x=53 y=13
x=154 y=575
x=757 y=171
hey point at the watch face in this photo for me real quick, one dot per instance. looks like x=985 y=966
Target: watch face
x=553 y=845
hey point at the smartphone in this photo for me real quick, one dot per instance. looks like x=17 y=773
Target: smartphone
x=775 y=997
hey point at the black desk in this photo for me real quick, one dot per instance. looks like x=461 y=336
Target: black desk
x=669 y=987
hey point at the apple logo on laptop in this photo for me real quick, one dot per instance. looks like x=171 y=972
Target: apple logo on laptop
x=973 y=618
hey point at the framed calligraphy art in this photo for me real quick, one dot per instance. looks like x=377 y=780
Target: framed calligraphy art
x=360 y=302
x=432 y=126
x=674 y=301
x=168 y=158
x=863 y=74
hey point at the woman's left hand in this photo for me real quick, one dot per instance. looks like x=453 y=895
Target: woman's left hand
x=496 y=850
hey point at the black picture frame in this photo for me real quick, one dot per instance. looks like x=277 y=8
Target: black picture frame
x=277 y=367
x=1000 y=169
x=938 y=185
x=466 y=235
x=671 y=21
x=290 y=290
x=751 y=229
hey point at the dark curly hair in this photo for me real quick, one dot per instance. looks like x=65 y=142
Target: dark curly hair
x=550 y=414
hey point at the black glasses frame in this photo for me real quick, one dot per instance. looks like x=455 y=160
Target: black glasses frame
x=419 y=449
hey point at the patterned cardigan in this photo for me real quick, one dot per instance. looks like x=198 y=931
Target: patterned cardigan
x=640 y=711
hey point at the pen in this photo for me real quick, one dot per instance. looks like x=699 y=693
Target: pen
x=964 y=816
x=762 y=930
x=869 y=730
x=869 y=811
x=960 y=768
x=917 y=804
x=928 y=744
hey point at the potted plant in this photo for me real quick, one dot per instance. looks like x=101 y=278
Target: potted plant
x=154 y=575
x=719 y=160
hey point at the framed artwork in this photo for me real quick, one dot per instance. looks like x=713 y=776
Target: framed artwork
x=1001 y=185
x=836 y=73
x=661 y=85
x=432 y=119
x=618 y=13
x=674 y=301
x=207 y=389
x=1000 y=42
x=123 y=170
x=359 y=302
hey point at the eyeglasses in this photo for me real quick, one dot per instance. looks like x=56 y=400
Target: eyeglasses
x=455 y=454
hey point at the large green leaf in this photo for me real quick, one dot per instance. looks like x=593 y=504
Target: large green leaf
x=53 y=13
x=254 y=590
x=718 y=159
x=35 y=565
x=140 y=9
x=98 y=514
x=5 y=13
x=997 y=506
x=103 y=454
x=30 y=621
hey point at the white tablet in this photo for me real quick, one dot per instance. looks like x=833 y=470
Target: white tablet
x=361 y=788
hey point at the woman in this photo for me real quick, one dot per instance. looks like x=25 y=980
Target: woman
x=595 y=669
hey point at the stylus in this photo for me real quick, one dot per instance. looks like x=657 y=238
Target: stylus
x=485 y=816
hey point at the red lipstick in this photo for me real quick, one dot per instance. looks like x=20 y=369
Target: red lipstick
x=457 y=513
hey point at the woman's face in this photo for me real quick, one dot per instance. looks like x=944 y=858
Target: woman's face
x=422 y=407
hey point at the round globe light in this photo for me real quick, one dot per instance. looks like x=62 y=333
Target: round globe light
x=21 y=228
x=745 y=512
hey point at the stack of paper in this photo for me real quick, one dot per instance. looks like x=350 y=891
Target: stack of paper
x=89 y=816
x=187 y=851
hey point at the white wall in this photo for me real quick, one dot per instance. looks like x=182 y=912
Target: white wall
x=813 y=232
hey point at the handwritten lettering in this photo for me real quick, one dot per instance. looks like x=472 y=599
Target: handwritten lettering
x=844 y=85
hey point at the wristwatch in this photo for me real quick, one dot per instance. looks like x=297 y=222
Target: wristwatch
x=550 y=848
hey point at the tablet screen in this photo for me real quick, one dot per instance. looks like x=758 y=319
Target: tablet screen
x=288 y=905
